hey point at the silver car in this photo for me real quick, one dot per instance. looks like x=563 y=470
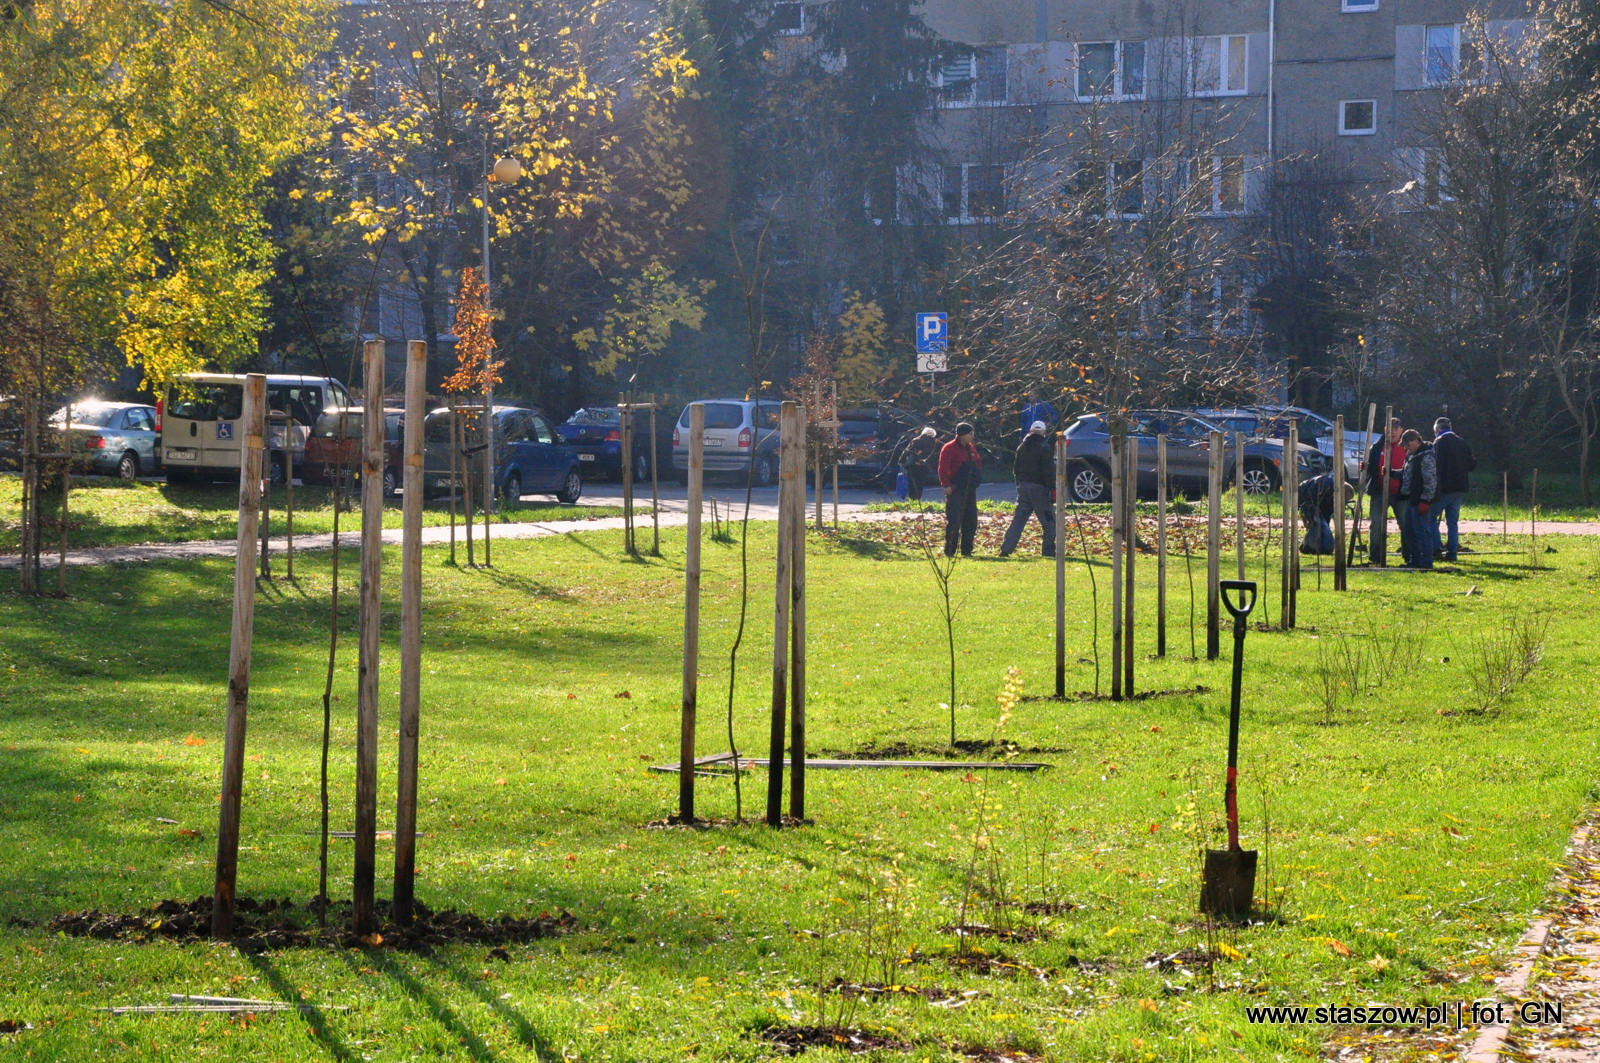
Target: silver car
x=113 y=438
x=738 y=432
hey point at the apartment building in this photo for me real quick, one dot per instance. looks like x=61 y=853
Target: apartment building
x=1257 y=79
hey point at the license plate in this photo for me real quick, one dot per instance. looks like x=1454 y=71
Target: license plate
x=847 y=461
x=585 y=457
x=182 y=454
x=713 y=442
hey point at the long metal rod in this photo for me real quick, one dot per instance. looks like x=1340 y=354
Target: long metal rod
x=780 y=626
x=1130 y=540
x=405 y=816
x=1118 y=466
x=1341 y=577
x=691 y=610
x=252 y=415
x=797 y=622
x=363 y=913
x=1061 y=566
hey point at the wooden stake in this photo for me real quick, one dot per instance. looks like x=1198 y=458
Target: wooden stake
x=363 y=916
x=66 y=496
x=1340 y=576
x=797 y=620
x=488 y=472
x=625 y=411
x=1130 y=539
x=1294 y=520
x=1362 y=479
x=1533 y=515
x=1238 y=498
x=655 y=487
x=780 y=626
x=1380 y=519
x=288 y=483
x=252 y=418
x=455 y=475
x=691 y=612
x=1061 y=566
x=1161 y=545
x=1505 y=504
x=1216 y=454
x=265 y=521
x=405 y=816
x=1119 y=447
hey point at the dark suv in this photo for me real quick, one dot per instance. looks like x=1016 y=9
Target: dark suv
x=1188 y=456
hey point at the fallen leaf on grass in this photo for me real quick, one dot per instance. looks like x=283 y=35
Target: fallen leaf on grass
x=187 y=833
x=193 y=741
x=1338 y=946
x=1229 y=951
x=623 y=694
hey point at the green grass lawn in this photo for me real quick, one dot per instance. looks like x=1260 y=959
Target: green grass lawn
x=1410 y=838
x=109 y=512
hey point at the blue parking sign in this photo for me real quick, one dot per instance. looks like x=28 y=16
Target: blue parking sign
x=224 y=429
x=933 y=332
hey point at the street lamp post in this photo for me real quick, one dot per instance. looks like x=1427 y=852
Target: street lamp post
x=506 y=171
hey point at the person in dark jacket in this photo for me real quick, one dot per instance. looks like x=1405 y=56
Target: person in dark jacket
x=1455 y=461
x=915 y=460
x=1316 y=510
x=960 y=472
x=1377 y=525
x=1419 y=491
x=1035 y=472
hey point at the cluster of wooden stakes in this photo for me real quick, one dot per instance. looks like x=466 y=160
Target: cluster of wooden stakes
x=1229 y=894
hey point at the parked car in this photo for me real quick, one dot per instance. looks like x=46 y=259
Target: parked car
x=112 y=438
x=530 y=455
x=196 y=421
x=741 y=437
x=1315 y=429
x=10 y=433
x=337 y=437
x=873 y=439
x=1188 y=456
x=596 y=433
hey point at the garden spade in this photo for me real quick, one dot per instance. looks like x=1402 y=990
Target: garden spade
x=1229 y=882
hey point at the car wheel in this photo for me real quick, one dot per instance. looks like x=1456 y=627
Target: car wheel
x=641 y=467
x=128 y=467
x=277 y=472
x=391 y=486
x=513 y=489
x=1088 y=485
x=1259 y=480
x=766 y=471
x=573 y=489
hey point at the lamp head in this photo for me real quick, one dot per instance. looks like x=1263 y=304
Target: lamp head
x=507 y=171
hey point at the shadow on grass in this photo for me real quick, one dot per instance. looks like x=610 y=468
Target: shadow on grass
x=442 y=1013
x=873 y=550
x=525 y=1030
x=315 y=1018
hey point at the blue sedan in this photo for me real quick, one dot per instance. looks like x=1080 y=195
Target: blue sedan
x=113 y=438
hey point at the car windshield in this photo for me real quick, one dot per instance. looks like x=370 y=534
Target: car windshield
x=91 y=414
x=601 y=415
x=718 y=415
x=207 y=402
x=328 y=424
x=1086 y=424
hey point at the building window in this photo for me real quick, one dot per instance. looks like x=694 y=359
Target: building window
x=789 y=19
x=1358 y=5
x=1358 y=118
x=978 y=77
x=1220 y=66
x=1453 y=52
x=973 y=193
x=1127 y=191
x=1219 y=184
x=1111 y=70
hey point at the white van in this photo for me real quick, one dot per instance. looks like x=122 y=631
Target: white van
x=197 y=420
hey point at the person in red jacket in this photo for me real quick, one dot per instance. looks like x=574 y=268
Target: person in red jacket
x=960 y=470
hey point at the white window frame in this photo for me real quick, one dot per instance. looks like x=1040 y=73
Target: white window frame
x=1357 y=7
x=1215 y=176
x=1225 y=70
x=1118 y=79
x=966 y=216
x=804 y=28
x=971 y=99
x=1455 y=76
x=1371 y=130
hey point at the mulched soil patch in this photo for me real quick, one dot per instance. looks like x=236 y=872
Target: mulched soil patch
x=993 y=1054
x=907 y=751
x=977 y=961
x=1023 y=934
x=793 y=1040
x=880 y=991
x=1182 y=959
x=271 y=924
x=671 y=822
x=1050 y=907
x=12 y=1026
x=1143 y=695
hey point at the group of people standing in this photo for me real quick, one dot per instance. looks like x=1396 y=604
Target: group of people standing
x=1427 y=480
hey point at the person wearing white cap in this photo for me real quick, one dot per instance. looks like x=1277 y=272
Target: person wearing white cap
x=922 y=449
x=1035 y=473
